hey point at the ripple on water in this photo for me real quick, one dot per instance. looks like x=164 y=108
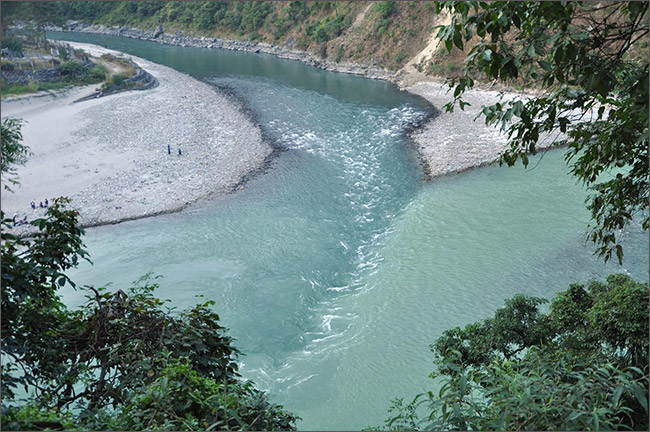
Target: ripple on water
x=337 y=269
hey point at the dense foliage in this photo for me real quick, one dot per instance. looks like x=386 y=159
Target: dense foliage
x=123 y=360
x=591 y=61
x=13 y=151
x=384 y=33
x=581 y=366
x=73 y=73
x=320 y=21
x=34 y=16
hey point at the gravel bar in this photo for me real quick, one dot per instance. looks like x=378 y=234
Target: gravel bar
x=455 y=142
x=110 y=156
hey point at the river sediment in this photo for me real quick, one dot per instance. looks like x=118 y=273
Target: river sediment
x=447 y=143
x=110 y=155
x=453 y=142
x=120 y=169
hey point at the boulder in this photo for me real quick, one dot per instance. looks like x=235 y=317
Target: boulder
x=158 y=32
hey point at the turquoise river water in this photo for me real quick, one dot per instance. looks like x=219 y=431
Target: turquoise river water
x=337 y=267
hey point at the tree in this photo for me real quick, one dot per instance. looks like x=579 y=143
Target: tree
x=36 y=15
x=544 y=391
x=608 y=318
x=581 y=366
x=7 y=9
x=123 y=360
x=13 y=151
x=121 y=350
x=590 y=62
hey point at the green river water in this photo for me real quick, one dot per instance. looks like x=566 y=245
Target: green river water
x=337 y=267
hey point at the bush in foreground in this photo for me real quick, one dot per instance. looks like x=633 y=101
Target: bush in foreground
x=123 y=360
x=581 y=366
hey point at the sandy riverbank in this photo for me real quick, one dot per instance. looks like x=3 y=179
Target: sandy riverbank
x=448 y=143
x=109 y=155
x=455 y=142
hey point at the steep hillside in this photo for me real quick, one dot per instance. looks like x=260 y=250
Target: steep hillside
x=392 y=35
x=387 y=34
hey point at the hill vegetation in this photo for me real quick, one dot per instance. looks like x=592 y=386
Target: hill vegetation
x=386 y=34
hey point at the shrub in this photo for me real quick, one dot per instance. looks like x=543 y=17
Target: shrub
x=382 y=26
x=180 y=399
x=385 y=8
x=339 y=53
x=581 y=366
x=97 y=73
x=63 y=54
x=117 y=79
x=13 y=44
x=72 y=68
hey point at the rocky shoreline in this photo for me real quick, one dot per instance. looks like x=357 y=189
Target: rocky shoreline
x=451 y=143
x=447 y=143
x=182 y=39
x=155 y=183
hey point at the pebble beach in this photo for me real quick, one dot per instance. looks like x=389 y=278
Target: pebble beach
x=109 y=155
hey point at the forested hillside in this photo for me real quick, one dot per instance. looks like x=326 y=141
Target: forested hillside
x=387 y=34
x=392 y=35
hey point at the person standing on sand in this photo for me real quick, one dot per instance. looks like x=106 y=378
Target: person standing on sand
x=179 y=151
x=169 y=150
x=33 y=204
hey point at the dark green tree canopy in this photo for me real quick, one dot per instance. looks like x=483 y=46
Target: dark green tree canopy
x=590 y=60
x=122 y=361
x=608 y=319
x=581 y=366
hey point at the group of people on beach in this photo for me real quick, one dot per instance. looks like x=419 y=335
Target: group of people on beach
x=20 y=222
x=169 y=150
x=41 y=204
x=32 y=204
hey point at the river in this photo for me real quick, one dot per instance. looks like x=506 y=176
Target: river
x=338 y=266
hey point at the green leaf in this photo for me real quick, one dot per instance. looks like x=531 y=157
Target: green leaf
x=580 y=36
x=641 y=397
x=531 y=51
x=619 y=253
x=574 y=415
x=617 y=395
x=458 y=40
x=545 y=65
x=487 y=55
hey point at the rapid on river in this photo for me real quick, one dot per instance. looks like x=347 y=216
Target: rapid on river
x=337 y=267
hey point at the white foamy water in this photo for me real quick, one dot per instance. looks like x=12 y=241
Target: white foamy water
x=336 y=268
